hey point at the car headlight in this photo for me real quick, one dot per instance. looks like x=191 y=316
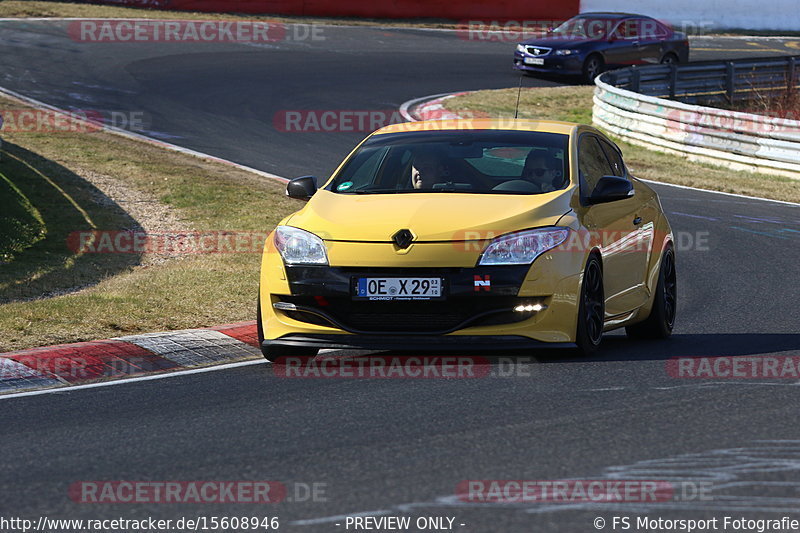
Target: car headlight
x=521 y=48
x=566 y=52
x=522 y=247
x=299 y=247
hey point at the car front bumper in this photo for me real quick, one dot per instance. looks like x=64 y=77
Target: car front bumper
x=316 y=304
x=553 y=64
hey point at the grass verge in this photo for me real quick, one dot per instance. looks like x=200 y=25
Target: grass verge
x=574 y=104
x=21 y=224
x=90 y=296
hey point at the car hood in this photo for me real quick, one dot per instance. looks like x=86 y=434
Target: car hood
x=429 y=216
x=558 y=42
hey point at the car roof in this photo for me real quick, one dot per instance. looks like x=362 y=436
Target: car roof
x=611 y=15
x=544 y=126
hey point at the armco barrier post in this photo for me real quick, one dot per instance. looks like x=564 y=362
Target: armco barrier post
x=673 y=79
x=729 y=77
x=636 y=79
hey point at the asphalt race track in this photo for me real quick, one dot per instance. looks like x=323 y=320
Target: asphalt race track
x=401 y=447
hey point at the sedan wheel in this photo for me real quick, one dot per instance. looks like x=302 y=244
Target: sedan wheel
x=670 y=59
x=592 y=68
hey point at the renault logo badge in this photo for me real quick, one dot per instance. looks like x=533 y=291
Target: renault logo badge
x=403 y=238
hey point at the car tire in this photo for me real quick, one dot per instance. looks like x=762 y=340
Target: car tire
x=592 y=67
x=659 y=324
x=591 y=308
x=274 y=354
x=670 y=59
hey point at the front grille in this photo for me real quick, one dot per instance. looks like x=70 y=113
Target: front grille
x=399 y=322
x=407 y=317
x=538 y=50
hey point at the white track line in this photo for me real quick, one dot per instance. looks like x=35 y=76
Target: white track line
x=161 y=375
x=151 y=377
x=784 y=202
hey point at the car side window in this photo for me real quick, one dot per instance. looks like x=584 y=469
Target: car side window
x=614 y=157
x=629 y=29
x=661 y=31
x=592 y=163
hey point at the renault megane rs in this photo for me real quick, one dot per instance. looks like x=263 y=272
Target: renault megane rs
x=469 y=234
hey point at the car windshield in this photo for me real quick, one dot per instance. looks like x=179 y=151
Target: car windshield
x=586 y=27
x=476 y=162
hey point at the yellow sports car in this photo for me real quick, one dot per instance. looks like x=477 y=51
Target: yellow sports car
x=469 y=234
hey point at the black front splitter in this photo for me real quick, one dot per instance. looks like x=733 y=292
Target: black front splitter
x=416 y=342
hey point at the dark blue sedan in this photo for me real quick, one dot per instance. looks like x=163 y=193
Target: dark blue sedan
x=590 y=43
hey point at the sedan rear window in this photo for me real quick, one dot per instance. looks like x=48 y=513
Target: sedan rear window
x=483 y=162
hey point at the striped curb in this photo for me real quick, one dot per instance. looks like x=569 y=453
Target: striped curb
x=122 y=357
x=429 y=108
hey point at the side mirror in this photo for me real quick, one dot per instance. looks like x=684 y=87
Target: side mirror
x=611 y=189
x=302 y=188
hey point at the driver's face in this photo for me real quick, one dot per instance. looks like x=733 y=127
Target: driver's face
x=424 y=171
x=537 y=170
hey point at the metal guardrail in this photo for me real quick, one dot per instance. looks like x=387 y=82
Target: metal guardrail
x=711 y=82
x=654 y=117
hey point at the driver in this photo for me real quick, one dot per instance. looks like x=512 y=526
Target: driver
x=543 y=169
x=426 y=169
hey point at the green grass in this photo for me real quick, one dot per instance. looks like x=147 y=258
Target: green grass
x=574 y=104
x=50 y=294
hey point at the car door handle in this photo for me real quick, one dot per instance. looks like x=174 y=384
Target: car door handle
x=637 y=221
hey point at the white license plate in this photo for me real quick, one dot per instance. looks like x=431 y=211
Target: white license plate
x=534 y=61
x=399 y=288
